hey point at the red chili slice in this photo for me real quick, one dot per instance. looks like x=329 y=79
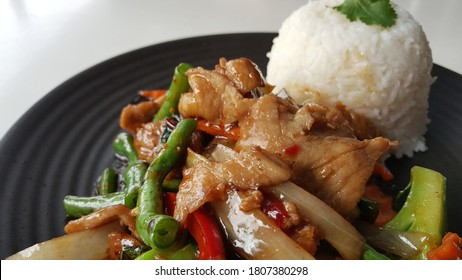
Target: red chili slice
x=292 y=150
x=275 y=210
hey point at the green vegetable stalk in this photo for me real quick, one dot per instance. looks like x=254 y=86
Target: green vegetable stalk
x=424 y=209
x=419 y=225
x=371 y=254
x=135 y=171
x=108 y=182
x=188 y=252
x=155 y=228
x=78 y=206
x=178 y=86
x=123 y=145
x=133 y=176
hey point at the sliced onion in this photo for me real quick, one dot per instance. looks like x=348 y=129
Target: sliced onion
x=253 y=235
x=403 y=244
x=335 y=229
x=89 y=244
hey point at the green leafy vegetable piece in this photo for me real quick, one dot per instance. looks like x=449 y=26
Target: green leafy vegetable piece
x=371 y=12
x=424 y=210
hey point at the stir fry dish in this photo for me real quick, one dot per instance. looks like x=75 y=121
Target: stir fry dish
x=220 y=166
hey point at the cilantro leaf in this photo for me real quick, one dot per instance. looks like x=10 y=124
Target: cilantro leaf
x=371 y=12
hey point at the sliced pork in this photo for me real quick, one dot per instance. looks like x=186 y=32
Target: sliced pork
x=219 y=95
x=319 y=145
x=252 y=168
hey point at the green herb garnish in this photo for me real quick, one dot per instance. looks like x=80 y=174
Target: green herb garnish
x=371 y=12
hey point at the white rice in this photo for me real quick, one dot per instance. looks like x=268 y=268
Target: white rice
x=383 y=73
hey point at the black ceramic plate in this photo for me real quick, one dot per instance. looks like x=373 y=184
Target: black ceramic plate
x=61 y=145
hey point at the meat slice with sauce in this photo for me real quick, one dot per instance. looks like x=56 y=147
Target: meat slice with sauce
x=133 y=116
x=318 y=144
x=218 y=95
x=330 y=152
x=252 y=168
x=336 y=169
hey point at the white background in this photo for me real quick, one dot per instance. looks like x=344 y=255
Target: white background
x=45 y=42
x=317 y=270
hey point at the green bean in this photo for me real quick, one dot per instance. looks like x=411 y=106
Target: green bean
x=78 y=206
x=371 y=254
x=134 y=172
x=156 y=229
x=188 y=252
x=108 y=181
x=178 y=85
x=155 y=253
x=171 y=185
x=133 y=176
x=182 y=248
x=148 y=255
x=123 y=145
x=131 y=253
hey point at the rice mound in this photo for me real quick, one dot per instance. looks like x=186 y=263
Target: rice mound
x=383 y=73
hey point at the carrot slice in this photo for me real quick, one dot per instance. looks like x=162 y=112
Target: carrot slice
x=386 y=212
x=153 y=94
x=450 y=248
x=229 y=131
x=383 y=171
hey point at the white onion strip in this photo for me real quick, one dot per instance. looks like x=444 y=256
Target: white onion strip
x=335 y=229
x=89 y=244
x=253 y=235
x=342 y=235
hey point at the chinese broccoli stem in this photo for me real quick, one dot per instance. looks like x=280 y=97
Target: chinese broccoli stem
x=424 y=208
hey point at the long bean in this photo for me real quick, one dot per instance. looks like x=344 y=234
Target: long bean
x=133 y=176
x=108 y=182
x=78 y=206
x=123 y=145
x=155 y=228
x=371 y=254
x=171 y=185
x=135 y=171
x=188 y=252
x=178 y=85
x=148 y=255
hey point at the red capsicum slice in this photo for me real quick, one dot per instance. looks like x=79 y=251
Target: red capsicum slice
x=169 y=202
x=206 y=232
x=203 y=228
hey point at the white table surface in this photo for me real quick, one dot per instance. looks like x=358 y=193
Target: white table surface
x=45 y=42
